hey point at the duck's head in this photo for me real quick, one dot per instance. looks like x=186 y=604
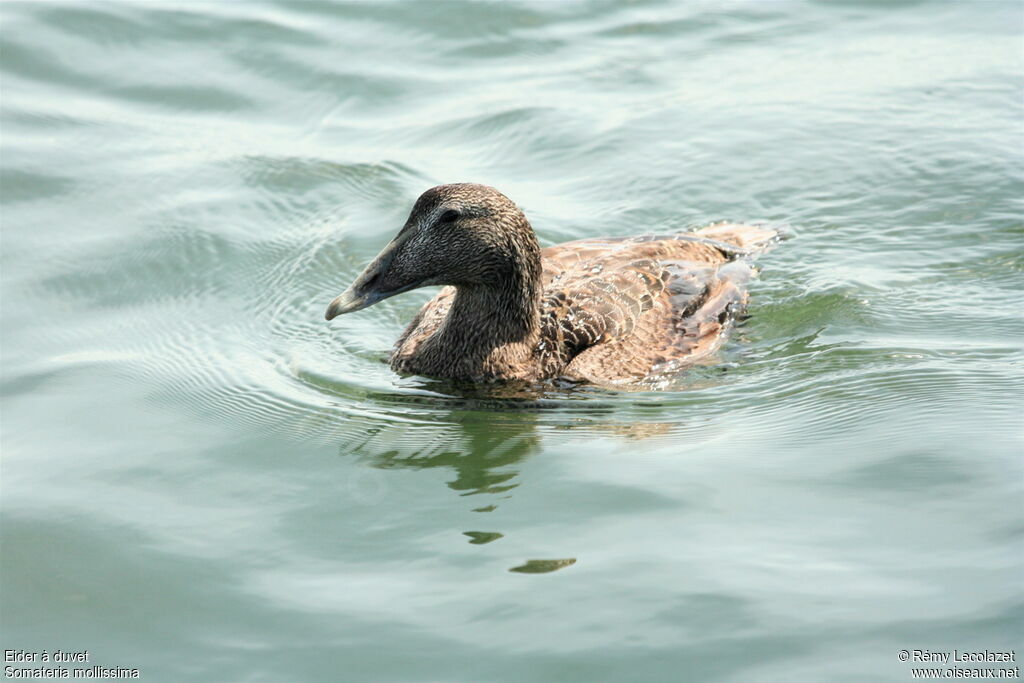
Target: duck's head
x=464 y=235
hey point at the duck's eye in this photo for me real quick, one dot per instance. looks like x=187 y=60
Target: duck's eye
x=449 y=216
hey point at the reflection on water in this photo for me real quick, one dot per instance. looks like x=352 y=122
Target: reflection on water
x=481 y=453
x=483 y=448
x=203 y=479
x=542 y=566
x=481 y=537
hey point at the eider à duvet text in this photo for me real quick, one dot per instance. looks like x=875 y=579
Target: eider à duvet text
x=603 y=310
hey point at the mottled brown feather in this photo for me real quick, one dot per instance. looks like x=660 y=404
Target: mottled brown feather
x=654 y=313
x=606 y=310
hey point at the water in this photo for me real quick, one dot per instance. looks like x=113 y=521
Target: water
x=203 y=480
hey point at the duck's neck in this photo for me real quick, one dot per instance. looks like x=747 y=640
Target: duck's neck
x=493 y=330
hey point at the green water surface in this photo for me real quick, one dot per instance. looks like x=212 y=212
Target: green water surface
x=204 y=480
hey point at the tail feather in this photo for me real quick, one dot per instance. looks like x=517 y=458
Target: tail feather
x=751 y=237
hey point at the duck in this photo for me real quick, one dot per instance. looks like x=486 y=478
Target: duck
x=605 y=311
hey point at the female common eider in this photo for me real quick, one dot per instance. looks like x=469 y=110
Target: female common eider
x=604 y=310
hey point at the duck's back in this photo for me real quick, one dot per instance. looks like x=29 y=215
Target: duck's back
x=621 y=309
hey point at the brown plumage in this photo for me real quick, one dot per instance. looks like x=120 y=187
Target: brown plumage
x=605 y=310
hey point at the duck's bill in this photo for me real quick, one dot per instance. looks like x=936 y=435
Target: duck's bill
x=367 y=288
x=350 y=300
x=353 y=299
x=363 y=292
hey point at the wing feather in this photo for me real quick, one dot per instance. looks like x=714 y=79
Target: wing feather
x=618 y=309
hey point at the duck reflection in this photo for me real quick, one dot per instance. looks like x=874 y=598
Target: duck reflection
x=482 y=453
x=482 y=437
